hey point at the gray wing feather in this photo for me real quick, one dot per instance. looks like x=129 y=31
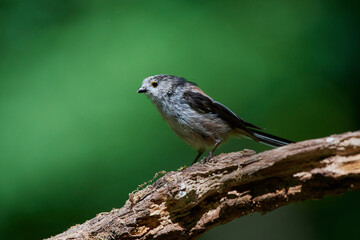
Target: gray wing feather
x=203 y=104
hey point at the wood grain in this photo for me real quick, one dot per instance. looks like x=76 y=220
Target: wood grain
x=187 y=203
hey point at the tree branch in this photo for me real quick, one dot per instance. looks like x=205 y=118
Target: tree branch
x=187 y=203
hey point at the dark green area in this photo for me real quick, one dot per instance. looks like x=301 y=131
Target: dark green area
x=76 y=138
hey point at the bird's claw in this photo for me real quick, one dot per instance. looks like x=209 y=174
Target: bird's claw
x=206 y=159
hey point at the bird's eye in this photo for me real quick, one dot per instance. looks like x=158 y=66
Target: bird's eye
x=154 y=84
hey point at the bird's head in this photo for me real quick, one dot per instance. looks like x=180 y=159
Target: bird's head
x=159 y=86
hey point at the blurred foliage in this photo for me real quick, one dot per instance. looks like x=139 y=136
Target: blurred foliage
x=76 y=138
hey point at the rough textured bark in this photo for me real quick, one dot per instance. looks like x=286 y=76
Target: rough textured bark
x=187 y=203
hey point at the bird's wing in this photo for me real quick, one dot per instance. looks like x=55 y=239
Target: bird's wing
x=202 y=103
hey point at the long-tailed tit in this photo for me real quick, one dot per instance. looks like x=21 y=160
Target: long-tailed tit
x=196 y=118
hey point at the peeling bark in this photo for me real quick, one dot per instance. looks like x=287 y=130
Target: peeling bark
x=187 y=203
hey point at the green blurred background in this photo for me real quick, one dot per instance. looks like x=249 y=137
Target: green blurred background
x=76 y=138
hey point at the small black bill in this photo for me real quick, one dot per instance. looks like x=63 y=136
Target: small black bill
x=141 y=90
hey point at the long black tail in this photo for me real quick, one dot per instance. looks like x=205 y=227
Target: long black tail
x=269 y=139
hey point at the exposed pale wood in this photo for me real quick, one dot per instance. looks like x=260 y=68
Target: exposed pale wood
x=187 y=203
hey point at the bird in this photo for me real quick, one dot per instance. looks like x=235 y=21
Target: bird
x=196 y=118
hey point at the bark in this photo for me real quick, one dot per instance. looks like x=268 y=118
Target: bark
x=186 y=203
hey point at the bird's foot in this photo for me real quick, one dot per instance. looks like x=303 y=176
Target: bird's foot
x=206 y=159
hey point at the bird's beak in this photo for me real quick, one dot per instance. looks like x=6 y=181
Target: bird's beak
x=141 y=90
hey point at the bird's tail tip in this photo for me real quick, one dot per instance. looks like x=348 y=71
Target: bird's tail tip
x=272 y=140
